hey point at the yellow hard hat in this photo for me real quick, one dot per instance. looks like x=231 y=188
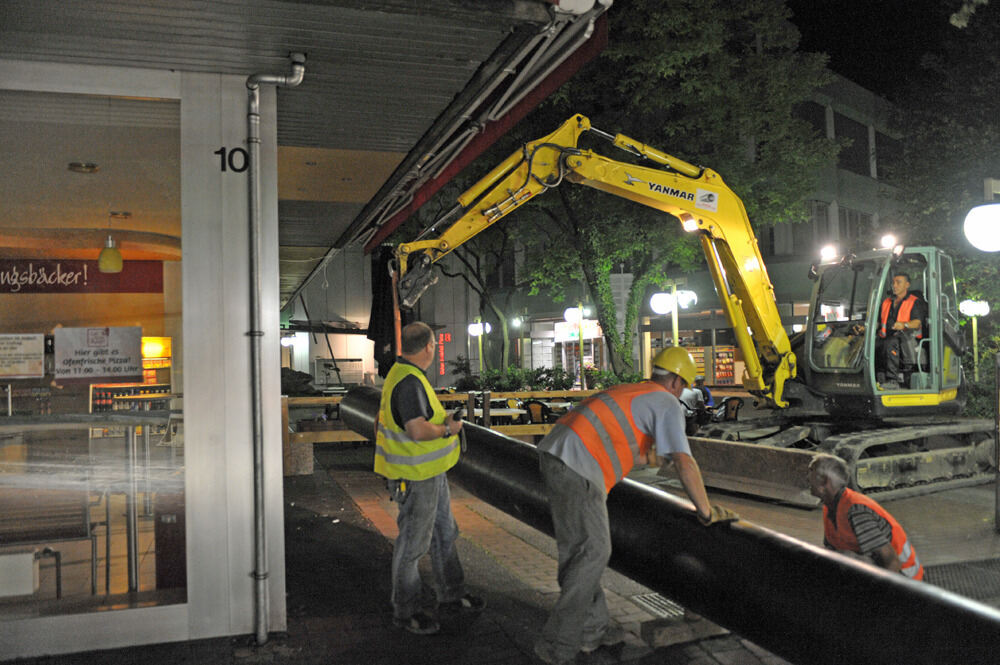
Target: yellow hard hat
x=676 y=359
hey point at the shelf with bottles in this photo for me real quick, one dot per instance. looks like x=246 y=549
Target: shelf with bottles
x=725 y=366
x=698 y=355
x=110 y=397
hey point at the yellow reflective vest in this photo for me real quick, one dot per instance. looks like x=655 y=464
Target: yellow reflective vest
x=396 y=454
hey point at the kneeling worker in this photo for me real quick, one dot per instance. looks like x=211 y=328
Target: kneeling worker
x=856 y=524
x=588 y=452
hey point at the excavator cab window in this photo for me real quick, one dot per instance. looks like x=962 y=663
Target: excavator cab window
x=841 y=306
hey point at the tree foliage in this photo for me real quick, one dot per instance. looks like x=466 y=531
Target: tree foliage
x=713 y=82
x=949 y=118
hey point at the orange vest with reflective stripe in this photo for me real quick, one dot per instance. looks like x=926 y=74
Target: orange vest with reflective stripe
x=841 y=536
x=604 y=423
x=903 y=315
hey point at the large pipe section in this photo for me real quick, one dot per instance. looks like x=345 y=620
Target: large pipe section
x=260 y=572
x=804 y=603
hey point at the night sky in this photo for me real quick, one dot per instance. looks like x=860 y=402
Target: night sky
x=875 y=43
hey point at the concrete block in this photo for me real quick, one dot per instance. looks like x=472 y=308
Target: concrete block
x=18 y=574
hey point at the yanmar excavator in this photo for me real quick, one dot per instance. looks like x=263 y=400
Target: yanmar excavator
x=818 y=390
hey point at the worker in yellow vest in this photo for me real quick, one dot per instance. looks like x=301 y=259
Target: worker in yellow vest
x=587 y=453
x=416 y=443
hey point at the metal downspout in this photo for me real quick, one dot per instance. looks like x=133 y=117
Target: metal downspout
x=260 y=572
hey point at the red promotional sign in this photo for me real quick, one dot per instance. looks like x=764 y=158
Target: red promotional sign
x=442 y=339
x=76 y=276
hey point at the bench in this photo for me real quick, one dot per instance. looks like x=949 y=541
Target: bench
x=31 y=516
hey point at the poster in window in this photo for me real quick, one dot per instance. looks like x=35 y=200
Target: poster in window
x=108 y=354
x=22 y=356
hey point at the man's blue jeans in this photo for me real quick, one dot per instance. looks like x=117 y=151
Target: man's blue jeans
x=425 y=523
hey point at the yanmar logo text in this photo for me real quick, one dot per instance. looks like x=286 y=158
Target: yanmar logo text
x=670 y=191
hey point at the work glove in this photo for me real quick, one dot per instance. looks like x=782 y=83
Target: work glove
x=718 y=515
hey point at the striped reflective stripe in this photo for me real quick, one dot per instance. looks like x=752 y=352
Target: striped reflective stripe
x=909 y=571
x=609 y=447
x=416 y=460
x=623 y=423
x=395 y=436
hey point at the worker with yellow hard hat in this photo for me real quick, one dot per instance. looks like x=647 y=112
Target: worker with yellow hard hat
x=589 y=451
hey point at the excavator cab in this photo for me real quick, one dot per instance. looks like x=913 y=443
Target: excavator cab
x=846 y=346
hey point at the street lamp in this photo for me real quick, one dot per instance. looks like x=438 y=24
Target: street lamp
x=667 y=303
x=982 y=223
x=575 y=315
x=975 y=309
x=477 y=330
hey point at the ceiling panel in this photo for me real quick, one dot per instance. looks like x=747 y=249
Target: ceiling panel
x=381 y=77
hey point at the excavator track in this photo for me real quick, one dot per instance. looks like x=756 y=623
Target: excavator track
x=770 y=459
x=917 y=459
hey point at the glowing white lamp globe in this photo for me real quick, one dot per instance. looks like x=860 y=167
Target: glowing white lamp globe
x=974 y=307
x=661 y=303
x=982 y=227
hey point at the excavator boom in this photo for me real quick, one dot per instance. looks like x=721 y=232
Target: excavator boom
x=697 y=196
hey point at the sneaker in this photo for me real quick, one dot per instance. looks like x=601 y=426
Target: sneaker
x=544 y=652
x=418 y=624
x=613 y=635
x=467 y=604
x=890 y=385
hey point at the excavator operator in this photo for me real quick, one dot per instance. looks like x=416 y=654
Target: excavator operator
x=899 y=313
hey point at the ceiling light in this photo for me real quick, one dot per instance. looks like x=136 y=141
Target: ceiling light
x=83 y=167
x=110 y=259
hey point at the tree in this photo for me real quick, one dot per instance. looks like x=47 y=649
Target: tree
x=950 y=120
x=712 y=81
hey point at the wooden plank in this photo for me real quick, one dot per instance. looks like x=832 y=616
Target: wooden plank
x=327 y=436
x=523 y=430
x=313 y=401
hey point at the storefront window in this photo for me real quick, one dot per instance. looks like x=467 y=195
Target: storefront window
x=91 y=426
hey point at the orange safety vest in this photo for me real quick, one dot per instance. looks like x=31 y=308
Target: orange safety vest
x=841 y=536
x=903 y=316
x=604 y=423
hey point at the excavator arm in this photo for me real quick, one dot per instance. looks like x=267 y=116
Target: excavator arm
x=697 y=196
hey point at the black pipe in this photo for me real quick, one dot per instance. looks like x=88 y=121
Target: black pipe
x=804 y=603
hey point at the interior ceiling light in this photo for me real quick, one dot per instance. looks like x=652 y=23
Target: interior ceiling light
x=83 y=167
x=110 y=258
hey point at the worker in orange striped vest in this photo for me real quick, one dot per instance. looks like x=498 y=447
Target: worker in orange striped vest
x=858 y=525
x=588 y=452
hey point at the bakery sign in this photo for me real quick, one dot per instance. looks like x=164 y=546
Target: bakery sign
x=78 y=276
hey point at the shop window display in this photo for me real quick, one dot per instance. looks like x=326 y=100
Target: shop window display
x=91 y=415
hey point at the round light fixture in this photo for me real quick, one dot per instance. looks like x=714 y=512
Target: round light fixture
x=974 y=307
x=982 y=227
x=83 y=167
x=661 y=303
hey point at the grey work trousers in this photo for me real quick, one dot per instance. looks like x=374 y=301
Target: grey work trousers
x=583 y=537
x=425 y=523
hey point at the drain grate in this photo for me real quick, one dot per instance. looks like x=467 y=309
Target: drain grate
x=978 y=580
x=658 y=606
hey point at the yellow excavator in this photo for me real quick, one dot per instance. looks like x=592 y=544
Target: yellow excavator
x=819 y=390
